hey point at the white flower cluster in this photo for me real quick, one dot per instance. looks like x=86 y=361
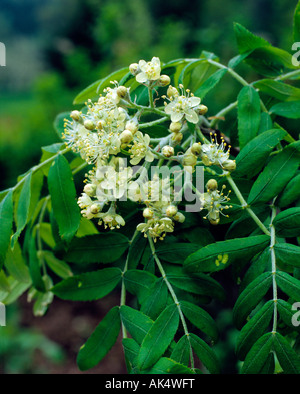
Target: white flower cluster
x=107 y=130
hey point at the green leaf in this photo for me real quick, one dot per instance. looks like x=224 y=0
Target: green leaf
x=86 y=227
x=22 y=208
x=248 y=115
x=258 y=354
x=253 y=156
x=63 y=197
x=286 y=313
x=205 y=354
x=59 y=267
x=250 y=298
x=6 y=219
x=265 y=123
x=287 y=357
x=16 y=290
x=254 y=329
x=279 y=90
x=159 y=337
x=221 y=254
x=290 y=194
x=88 y=286
x=181 y=351
x=136 y=322
x=155 y=299
x=195 y=283
x=97 y=248
x=59 y=127
x=260 y=263
x=35 y=266
x=168 y=366
x=247 y=41
x=288 y=284
x=287 y=254
x=101 y=341
x=139 y=282
x=287 y=223
x=4 y=284
x=15 y=264
x=200 y=318
x=176 y=253
x=90 y=92
x=195 y=73
x=276 y=174
x=210 y=83
x=290 y=109
x=131 y=350
x=297 y=23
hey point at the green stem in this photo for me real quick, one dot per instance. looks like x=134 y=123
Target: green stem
x=246 y=206
x=150 y=93
x=153 y=123
x=289 y=75
x=173 y=295
x=123 y=288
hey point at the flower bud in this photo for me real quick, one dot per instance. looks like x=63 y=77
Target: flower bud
x=167 y=151
x=75 y=115
x=172 y=92
x=100 y=124
x=148 y=213
x=95 y=208
x=212 y=184
x=122 y=91
x=229 y=165
x=126 y=136
x=189 y=160
x=177 y=138
x=90 y=189
x=202 y=109
x=164 y=80
x=196 y=148
x=89 y=124
x=179 y=217
x=132 y=126
x=171 y=210
x=175 y=127
x=134 y=69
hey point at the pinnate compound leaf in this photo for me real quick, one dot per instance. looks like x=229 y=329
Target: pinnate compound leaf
x=63 y=197
x=6 y=218
x=250 y=297
x=221 y=254
x=88 y=286
x=276 y=174
x=97 y=248
x=101 y=341
x=159 y=337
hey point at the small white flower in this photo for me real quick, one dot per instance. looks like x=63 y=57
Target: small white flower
x=140 y=149
x=111 y=220
x=183 y=107
x=214 y=153
x=149 y=71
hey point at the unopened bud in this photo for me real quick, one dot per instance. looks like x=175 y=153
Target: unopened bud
x=179 y=217
x=95 y=208
x=89 y=124
x=172 y=92
x=202 y=109
x=132 y=126
x=75 y=115
x=189 y=160
x=175 y=127
x=164 y=80
x=196 y=148
x=177 y=138
x=212 y=184
x=134 y=69
x=126 y=136
x=171 y=210
x=90 y=189
x=167 y=151
x=148 y=213
x=229 y=165
x=122 y=91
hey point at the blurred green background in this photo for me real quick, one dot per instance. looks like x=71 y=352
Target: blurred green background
x=57 y=47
